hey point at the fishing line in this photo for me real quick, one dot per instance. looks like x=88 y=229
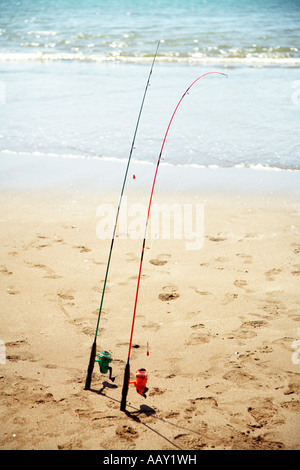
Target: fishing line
x=127 y=367
x=213 y=109
x=204 y=123
x=93 y=350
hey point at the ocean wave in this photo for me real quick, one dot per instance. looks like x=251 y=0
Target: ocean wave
x=254 y=166
x=248 y=59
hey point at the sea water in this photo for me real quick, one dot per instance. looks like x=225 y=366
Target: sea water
x=73 y=74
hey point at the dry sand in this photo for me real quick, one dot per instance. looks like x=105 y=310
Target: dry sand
x=222 y=325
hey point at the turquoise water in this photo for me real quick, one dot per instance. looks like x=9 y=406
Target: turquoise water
x=124 y=29
x=72 y=76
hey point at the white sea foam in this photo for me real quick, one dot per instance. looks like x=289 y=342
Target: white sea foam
x=257 y=166
x=117 y=56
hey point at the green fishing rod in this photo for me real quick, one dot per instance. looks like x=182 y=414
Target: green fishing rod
x=93 y=350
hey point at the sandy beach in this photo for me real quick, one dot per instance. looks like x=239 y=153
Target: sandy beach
x=217 y=320
x=222 y=324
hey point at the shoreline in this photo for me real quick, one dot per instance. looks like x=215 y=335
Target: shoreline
x=195 y=59
x=34 y=173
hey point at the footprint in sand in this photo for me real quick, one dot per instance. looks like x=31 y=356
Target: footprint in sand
x=160 y=260
x=85 y=326
x=156 y=391
x=15 y=355
x=252 y=235
x=125 y=431
x=99 y=288
x=204 y=403
x=297 y=248
x=200 y=292
x=292 y=406
x=58 y=240
x=246 y=331
x=293 y=386
x=50 y=273
x=75 y=444
x=5 y=271
x=197 y=408
x=285 y=342
x=198 y=326
x=134 y=278
x=240 y=283
x=153 y=326
x=17 y=344
x=229 y=298
x=92 y=415
x=12 y=291
x=13 y=253
x=62 y=296
x=170 y=293
x=271 y=273
x=264 y=412
x=274 y=297
x=254 y=324
x=190 y=441
x=132 y=257
x=89 y=331
x=246 y=258
x=239 y=377
x=198 y=338
x=273 y=307
x=43 y=242
x=65 y=296
x=222 y=259
x=50 y=366
x=217 y=238
x=25 y=356
x=82 y=249
x=171 y=414
x=296 y=271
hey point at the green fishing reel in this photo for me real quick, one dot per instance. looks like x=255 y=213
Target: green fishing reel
x=104 y=359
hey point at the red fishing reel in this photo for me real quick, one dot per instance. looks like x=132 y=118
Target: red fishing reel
x=140 y=382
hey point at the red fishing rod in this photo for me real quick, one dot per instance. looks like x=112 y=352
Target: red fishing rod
x=127 y=367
